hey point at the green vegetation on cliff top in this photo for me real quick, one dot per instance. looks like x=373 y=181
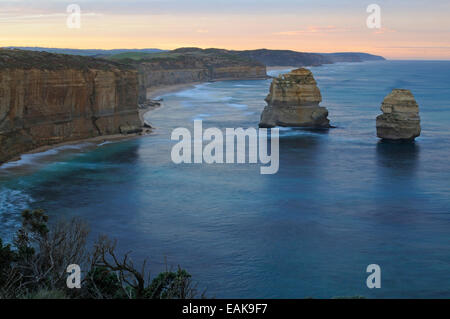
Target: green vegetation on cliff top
x=216 y=57
x=23 y=59
x=179 y=58
x=253 y=57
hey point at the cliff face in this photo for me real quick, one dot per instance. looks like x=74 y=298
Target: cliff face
x=298 y=59
x=151 y=76
x=352 y=57
x=285 y=57
x=294 y=101
x=265 y=56
x=400 y=119
x=47 y=99
x=188 y=65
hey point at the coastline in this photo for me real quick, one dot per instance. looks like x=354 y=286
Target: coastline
x=95 y=140
x=151 y=94
x=156 y=92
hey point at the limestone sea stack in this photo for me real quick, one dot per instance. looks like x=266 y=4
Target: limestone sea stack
x=400 y=120
x=293 y=101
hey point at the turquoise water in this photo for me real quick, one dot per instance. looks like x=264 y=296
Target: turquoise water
x=340 y=201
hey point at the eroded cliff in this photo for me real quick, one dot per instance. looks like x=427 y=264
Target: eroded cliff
x=400 y=120
x=189 y=65
x=293 y=101
x=51 y=98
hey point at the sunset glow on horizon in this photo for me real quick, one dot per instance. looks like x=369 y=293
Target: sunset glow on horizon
x=409 y=29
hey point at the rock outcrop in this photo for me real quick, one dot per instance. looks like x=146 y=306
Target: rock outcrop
x=52 y=98
x=294 y=101
x=400 y=120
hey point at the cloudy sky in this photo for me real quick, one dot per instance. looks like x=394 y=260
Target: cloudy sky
x=409 y=29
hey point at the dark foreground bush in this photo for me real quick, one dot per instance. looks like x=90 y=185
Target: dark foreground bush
x=35 y=266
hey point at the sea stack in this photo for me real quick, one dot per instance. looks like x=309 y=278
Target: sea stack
x=400 y=120
x=293 y=101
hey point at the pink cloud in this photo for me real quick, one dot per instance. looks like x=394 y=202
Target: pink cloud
x=383 y=30
x=311 y=30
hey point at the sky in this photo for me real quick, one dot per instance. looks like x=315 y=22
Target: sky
x=407 y=29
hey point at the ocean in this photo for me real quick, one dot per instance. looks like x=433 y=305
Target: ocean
x=341 y=200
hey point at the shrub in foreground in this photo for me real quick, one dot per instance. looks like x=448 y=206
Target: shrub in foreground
x=35 y=266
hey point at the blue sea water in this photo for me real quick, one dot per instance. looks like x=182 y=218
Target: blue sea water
x=340 y=201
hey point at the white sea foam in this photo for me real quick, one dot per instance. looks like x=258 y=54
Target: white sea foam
x=197 y=92
x=225 y=99
x=237 y=105
x=13 y=200
x=200 y=116
x=245 y=86
x=34 y=158
x=104 y=143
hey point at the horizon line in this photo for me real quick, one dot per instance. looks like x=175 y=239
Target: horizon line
x=204 y=48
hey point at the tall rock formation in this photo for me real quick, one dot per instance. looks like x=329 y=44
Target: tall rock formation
x=294 y=101
x=400 y=120
x=51 y=98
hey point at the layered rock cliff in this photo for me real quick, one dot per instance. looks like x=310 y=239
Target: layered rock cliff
x=400 y=120
x=51 y=98
x=294 y=101
x=189 y=65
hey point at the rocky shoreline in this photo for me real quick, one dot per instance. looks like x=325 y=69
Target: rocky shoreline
x=102 y=101
x=49 y=99
x=153 y=103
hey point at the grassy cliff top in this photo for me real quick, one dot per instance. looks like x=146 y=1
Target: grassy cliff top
x=186 y=57
x=23 y=59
